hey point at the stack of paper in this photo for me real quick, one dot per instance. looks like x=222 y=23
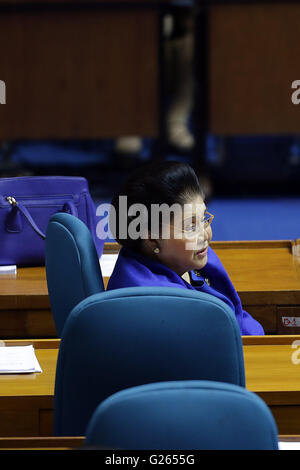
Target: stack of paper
x=289 y=445
x=18 y=360
x=107 y=264
x=8 y=271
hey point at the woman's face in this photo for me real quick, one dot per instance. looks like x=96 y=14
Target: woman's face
x=186 y=248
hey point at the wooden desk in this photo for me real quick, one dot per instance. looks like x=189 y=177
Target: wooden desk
x=69 y=443
x=24 y=305
x=26 y=401
x=265 y=274
x=41 y=443
x=271 y=373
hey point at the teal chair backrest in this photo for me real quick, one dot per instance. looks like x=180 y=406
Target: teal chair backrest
x=72 y=266
x=197 y=415
x=138 y=335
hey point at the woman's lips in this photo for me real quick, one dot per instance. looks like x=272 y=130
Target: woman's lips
x=202 y=252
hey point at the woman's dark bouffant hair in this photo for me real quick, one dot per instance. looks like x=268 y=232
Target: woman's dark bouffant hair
x=167 y=182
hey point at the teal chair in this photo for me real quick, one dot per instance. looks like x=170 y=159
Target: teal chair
x=193 y=415
x=72 y=266
x=138 y=335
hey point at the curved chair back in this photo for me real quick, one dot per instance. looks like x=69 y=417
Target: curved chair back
x=199 y=415
x=138 y=335
x=72 y=266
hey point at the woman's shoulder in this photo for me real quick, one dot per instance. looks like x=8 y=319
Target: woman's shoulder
x=133 y=270
x=125 y=271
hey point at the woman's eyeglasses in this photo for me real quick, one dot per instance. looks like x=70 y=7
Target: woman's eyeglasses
x=195 y=227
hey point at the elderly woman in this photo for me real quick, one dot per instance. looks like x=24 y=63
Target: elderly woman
x=170 y=252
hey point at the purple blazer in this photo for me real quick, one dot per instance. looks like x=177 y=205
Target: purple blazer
x=133 y=269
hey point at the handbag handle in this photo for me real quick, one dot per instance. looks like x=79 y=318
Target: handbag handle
x=68 y=207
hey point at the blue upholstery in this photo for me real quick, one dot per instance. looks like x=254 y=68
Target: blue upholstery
x=72 y=266
x=195 y=415
x=137 y=335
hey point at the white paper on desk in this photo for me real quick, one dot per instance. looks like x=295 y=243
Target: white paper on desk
x=289 y=445
x=8 y=271
x=18 y=360
x=107 y=264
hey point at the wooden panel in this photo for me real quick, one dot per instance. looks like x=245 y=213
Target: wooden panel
x=254 y=56
x=266 y=315
x=40 y=324
x=287 y=419
x=19 y=422
x=83 y=72
x=45 y=422
x=27 y=324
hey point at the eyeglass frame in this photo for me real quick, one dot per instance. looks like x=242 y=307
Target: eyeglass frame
x=207 y=223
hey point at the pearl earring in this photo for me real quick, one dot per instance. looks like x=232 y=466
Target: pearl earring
x=156 y=250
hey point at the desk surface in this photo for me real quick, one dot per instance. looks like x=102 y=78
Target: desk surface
x=270 y=370
x=268 y=364
x=266 y=275
x=270 y=373
x=263 y=271
x=258 y=270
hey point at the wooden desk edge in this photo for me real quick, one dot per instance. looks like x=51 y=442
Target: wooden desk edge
x=37 y=343
x=270 y=340
x=113 y=247
x=69 y=443
x=54 y=343
x=11 y=443
x=289 y=438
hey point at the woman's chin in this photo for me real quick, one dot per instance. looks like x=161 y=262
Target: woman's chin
x=200 y=261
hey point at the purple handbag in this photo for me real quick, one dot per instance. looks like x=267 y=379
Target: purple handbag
x=26 y=205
